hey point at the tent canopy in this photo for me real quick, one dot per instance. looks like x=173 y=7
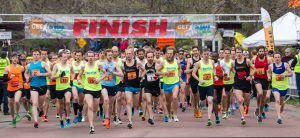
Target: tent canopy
x=286 y=31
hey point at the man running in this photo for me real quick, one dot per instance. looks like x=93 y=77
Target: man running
x=14 y=76
x=152 y=88
x=92 y=87
x=192 y=81
x=242 y=87
x=109 y=88
x=205 y=69
x=170 y=70
x=62 y=74
x=279 y=73
x=37 y=72
x=183 y=63
x=131 y=82
x=26 y=90
x=44 y=58
x=261 y=64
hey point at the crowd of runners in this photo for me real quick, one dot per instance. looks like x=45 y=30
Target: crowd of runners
x=145 y=82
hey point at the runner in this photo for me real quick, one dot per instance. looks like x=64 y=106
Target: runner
x=37 y=71
x=120 y=97
x=170 y=70
x=62 y=74
x=131 y=83
x=109 y=86
x=77 y=90
x=205 y=68
x=52 y=84
x=92 y=88
x=261 y=64
x=278 y=73
x=228 y=83
x=14 y=76
x=44 y=56
x=242 y=87
x=220 y=69
x=193 y=82
x=152 y=88
x=183 y=63
x=142 y=99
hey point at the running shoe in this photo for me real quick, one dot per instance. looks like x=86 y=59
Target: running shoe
x=68 y=123
x=170 y=118
x=180 y=105
x=243 y=121
x=79 y=117
x=263 y=115
x=14 y=123
x=183 y=109
x=115 y=120
x=92 y=130
x=44 y=118
x=279 y=121
x=76 y=120
x=176 y=119
x=18 y=118
x=166 y=119
x=259 y=119
x=129 y=125
x=151 y=121
x=140 y=112
x=61 y=124
x=143 y=118
x=28 y=116
x=256 y=112
x=57 y=115
x=218 y=121
x=119 y=121
x=209 y=123
x=36 y=125
x=224 y=115
x=266 y=108
x=107 y=123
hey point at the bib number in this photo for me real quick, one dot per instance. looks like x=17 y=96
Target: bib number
x=131 y=75
x=206 y=76
x=108 y=77
x=260 y=71
x=151 y=77
x=279 y=78
x=91 y=80
x=241 y=75
x=35 y=73
x=64 y=80
x=15 y=84
x=171 y=73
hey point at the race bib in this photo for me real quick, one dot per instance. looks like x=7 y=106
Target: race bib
x=108 y=77
x=35 y=72
x=279 y=78
x=91 y=80
x=207 y=76
x=260 y=71
x=151 y=77
x=241 y=75
x=64 y=80
x=171 y=73
x=14 y=84
x=131 y=75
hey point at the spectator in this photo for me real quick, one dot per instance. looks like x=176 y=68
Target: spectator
x=287 y=56
x=124 y=44
x=116 y=43
x=4 y=61
x=296 y=65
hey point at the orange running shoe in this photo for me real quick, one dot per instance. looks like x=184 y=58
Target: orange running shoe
x=199 y=113
x=107 y=123
x=44 y=118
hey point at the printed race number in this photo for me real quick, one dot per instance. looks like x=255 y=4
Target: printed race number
x=64 y=80
x=108 y=77
x=241 y=75
x=171 y=73
x=260 y=71
x=15 y=84
x=91 y=80
x=279 y=78
x=206 y=76
x=35 y=72
x=131 y=75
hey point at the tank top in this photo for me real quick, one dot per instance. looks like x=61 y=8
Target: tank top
x=37 y=81
x=219 y=72
x=63 y=83
x=15 y=83
x=131 y=76
x=48 y=80
x=3 y=63
x=231 y=74
x=110 y=78
x=183 y=68
x=151 y=79
x=205 y=73
x=91 y=73
x=193 y=80
x=242 y=71
x=172 y=76
x=76 y=70
x=261 y=68
x=278 y=82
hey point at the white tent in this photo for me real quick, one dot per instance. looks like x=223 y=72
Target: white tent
x=286 y=31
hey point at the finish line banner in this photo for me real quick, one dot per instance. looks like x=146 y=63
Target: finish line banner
x=51 y=26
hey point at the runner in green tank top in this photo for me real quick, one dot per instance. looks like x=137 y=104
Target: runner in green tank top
x=92 y=88
x=77 y=90
x=62 y=74
x=205 y=76
x=279 y=72
x=170 y=70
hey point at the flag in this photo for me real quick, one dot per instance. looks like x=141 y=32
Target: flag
x=294 y=3
x=267 y=23
x=238 y=38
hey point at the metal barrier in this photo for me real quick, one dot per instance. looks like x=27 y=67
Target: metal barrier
x=292 y=91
